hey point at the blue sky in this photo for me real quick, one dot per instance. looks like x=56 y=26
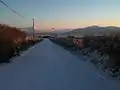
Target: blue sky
x=62 y=13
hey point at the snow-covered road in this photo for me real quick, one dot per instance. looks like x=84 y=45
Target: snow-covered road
x=49 y=67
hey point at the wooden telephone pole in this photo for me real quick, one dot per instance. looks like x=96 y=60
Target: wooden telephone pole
x=33 y=28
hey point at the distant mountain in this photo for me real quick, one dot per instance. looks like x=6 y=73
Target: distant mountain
x=91 y=30
x=61 y=31
x=29 y=30
x=94 y=30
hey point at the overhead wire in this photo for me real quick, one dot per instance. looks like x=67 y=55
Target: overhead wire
x=13 y=10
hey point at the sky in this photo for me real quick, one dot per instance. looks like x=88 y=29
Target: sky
x=62 y=14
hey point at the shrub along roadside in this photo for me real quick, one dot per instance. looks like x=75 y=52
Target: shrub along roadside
x=12 y=42
x=67 y=43
x=108 y=46
x=102 y=51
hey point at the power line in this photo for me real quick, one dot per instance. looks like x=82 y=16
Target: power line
x=14 y=11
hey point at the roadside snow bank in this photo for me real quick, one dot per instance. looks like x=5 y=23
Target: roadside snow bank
x=100 y=61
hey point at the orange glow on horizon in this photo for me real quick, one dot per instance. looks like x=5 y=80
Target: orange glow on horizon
x=61 y=24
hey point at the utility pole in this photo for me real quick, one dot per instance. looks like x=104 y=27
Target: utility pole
x=33 y=28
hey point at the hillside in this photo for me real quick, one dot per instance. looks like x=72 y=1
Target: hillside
x=10 y=39
x=94 y=30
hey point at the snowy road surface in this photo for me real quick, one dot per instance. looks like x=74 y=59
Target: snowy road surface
x=50 y=67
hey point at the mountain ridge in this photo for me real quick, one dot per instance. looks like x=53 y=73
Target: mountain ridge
x=94 y=30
